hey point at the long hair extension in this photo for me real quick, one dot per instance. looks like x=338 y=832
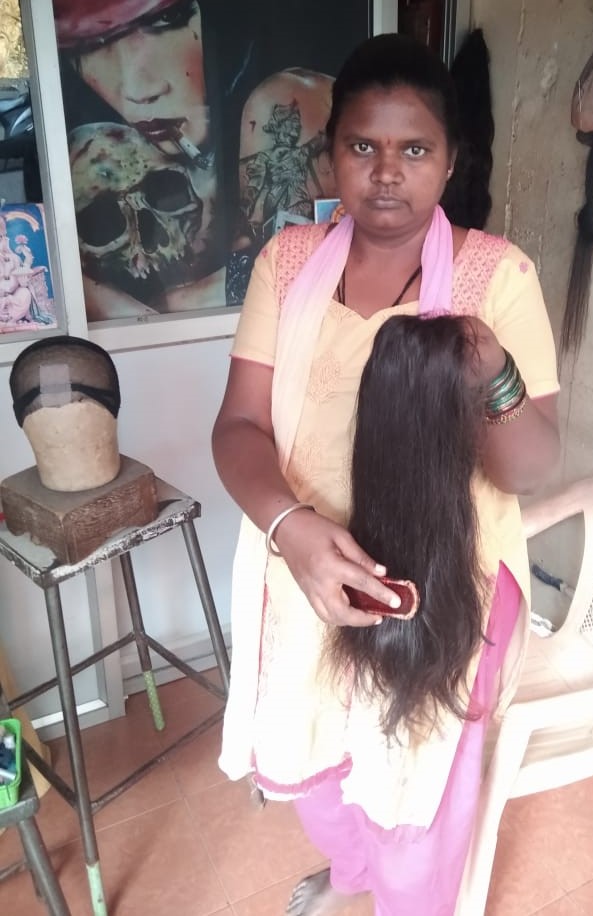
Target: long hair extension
x=416 y=446
x=466 y=199
x=577 y=296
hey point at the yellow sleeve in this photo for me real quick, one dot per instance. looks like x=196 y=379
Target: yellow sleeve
x=516 y=311
x=258 y=323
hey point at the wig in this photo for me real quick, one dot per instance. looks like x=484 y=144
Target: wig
x=577 y=297
x=415 y=450
x=466 y=200
x=579 y=282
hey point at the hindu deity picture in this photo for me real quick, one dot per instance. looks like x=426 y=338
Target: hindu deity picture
x=26 y=294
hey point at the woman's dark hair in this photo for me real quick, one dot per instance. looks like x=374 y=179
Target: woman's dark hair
x=415 y=450
x=386 y=61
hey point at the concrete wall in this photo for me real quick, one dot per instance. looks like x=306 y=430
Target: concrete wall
x=538 y=49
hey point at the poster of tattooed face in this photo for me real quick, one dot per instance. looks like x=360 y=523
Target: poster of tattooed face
x=195 y=131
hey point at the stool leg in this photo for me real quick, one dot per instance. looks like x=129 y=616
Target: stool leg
x=41 y=868
x=81 y=788
x=201 y=577
x=139 y=634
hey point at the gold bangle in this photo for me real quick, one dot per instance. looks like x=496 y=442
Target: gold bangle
x=271 y=545
x=508 y=415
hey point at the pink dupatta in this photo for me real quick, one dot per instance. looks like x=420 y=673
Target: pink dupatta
x=302 y=314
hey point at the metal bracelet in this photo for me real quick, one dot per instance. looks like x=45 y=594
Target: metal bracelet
x=507 y=416
x=271 y=545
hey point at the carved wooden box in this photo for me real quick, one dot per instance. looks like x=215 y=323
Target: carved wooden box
x=73 y=525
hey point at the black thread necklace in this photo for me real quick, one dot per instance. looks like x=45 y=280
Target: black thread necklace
x=341 y=290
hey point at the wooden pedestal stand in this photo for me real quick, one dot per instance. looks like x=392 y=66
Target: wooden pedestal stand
x=73 y=525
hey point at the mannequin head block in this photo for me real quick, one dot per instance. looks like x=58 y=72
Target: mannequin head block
x=66 y=397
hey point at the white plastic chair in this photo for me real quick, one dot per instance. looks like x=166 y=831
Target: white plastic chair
x=545 y=738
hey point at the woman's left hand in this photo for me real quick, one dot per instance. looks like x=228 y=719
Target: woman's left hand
x=488 y=357
x=521 y=455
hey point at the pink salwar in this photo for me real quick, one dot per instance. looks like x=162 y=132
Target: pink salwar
x=413 y=871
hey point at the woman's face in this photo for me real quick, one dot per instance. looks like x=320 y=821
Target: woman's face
x=391 y=161
x=153 y=76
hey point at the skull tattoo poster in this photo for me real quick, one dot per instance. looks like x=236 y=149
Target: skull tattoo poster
x=196 y=130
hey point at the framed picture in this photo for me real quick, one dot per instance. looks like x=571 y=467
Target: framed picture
x=195 y=130
x=26 y=292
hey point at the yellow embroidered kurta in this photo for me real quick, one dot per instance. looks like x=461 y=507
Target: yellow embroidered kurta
x=301 y=726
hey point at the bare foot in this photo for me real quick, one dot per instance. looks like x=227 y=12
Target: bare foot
x=314 y=896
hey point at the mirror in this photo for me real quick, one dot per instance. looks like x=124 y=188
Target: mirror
x=18 y=152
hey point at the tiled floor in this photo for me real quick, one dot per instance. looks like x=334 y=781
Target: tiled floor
x=186 y=842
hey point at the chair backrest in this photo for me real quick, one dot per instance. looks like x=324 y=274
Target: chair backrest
x=545 y=737
x=573 y=500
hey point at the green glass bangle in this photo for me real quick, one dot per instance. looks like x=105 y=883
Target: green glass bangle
x=513 y=379
x=513 y=394
x=506 y=391
x=507 y=399
x=506 y=373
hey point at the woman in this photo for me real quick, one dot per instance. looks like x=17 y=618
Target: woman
x=394 y=817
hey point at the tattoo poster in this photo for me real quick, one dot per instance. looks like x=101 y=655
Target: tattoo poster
x=196 y=130
x=26 y=292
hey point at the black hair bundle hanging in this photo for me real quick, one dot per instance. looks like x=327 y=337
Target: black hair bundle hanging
x=466 y=199
x=579 y=282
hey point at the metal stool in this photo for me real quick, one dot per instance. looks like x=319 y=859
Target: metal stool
x=39 y=564
x=22 y=815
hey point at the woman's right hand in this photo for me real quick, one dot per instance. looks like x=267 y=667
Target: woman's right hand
x=322 y=556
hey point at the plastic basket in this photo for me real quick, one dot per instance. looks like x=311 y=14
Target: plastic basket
x=9 y=792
